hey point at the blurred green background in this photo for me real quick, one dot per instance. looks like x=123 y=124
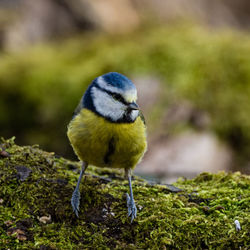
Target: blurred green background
x=189 y=59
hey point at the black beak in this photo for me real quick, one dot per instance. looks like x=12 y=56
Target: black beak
x=133 y=106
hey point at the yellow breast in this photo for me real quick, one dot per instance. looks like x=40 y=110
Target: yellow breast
x=105 y=144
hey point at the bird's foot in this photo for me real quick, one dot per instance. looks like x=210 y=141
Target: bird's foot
x=132 y=210
x=75 y=201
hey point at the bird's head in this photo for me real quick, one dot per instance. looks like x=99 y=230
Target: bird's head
x=113 y=96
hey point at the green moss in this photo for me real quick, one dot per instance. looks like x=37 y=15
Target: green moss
x=200 y=216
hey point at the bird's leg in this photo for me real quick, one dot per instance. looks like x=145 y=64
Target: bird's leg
x=132 y=210
x=75 y=199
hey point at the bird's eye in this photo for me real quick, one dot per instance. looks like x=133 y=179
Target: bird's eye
x=117 y=97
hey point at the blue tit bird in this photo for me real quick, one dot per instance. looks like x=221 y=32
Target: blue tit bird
x=108 y=130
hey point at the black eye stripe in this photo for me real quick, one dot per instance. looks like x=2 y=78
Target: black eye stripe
x=116 y=96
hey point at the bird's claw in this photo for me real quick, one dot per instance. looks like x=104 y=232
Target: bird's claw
x=132 y=210
x=75 y=201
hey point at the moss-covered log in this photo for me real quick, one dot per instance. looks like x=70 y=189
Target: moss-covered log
x=35 y=210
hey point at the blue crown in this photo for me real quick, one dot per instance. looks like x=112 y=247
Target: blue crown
x=118 y=80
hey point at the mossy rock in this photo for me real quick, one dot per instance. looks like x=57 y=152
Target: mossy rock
x=35 y=209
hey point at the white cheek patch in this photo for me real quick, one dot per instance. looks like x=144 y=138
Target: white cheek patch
x=134 y=114
x=129 y=95
x=106 y=105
